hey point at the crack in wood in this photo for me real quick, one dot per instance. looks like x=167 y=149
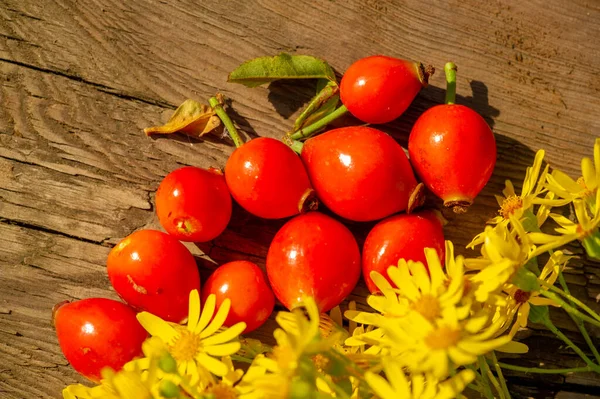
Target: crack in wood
x=52 y=231
x=98 y=86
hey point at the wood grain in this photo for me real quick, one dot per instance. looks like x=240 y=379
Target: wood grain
x=80 y=80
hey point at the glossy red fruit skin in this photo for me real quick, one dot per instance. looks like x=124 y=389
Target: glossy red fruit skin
x=378 y=89
x=313 y=255
x=95 y=333
x=267 y=178
x=244 y=283
x=401 y=237
x=193 y=204
x=360 y=173
x=453 y=150
x=152 y=271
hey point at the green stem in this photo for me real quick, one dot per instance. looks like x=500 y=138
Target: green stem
x=543 y=371
x=570 y=308
x=233 y=133
x=297 y=146
x=450 y=70
x=486 y=385
x=321 y=123
x=572 y=299
x=571 y=345
x=490 y=375
x=578 y=321
x=500 y=375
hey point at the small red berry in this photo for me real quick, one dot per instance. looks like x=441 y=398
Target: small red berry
x=152 y=271
x=194 y=204
x=95 y=333
x=313 y=255
x=268 y=179
x=244 y=283
x=401 y=237
x=361 y=173
x=378 y=89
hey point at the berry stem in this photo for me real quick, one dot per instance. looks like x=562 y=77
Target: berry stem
x=543 y=371
x=321 y=123
x=297 y=146
x=450 y=70
x=217 y=104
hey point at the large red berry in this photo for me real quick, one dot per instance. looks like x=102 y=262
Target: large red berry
x=243 y=282
x=313 y=255
x=453 y=150
x=96 y=333
x=193 y=204
x=360 y=173
x=378 y=89
x=153 y=271
x=268 y=179
x=401 y=237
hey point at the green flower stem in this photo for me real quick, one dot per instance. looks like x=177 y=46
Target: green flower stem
x=450 y=70
x=578 y=321
x=233 y=133
x=544 y=371
x=484 y=379
x=571 y=298
x=570 y=308
x=571 y=345
x=500 y=375
x=321 y=123
x=486 y=368
x=297 y=146
x=478 y=380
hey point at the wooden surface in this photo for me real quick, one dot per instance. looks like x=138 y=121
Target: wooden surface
x=79 y=80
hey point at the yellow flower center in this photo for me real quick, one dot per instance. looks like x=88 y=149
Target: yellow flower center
x=320 y=362
x=428 y=306
x=522 y=296
x=186 y=346
x=510 y=204
x=285 y=357
x=222 y=391
x=442 y=338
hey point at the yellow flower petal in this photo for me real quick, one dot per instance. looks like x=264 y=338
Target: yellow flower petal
x=420 y=276
x=381 y=387
x=401 y=277
x=207 y=313
x=157 y=327
x=396 y=376
x=513 y=347
x=223 y=349
x=380 y=281
x=194 y=310
x=213 y=365
x=538 y=301
x=225 y=336
x=435 y=269
x=589 y=173
x=218 y=320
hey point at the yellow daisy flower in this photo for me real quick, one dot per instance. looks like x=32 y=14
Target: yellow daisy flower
x=522 y=300
x=198 y=346
x=225 y=387
x=585 y=187
x=416 y=386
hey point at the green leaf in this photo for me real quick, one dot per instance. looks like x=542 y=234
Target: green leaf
x=539 y=314
x=324 y=103
x=591 y=244
x=525 y=280
x=263 y=70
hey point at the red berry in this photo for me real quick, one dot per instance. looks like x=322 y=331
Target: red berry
x=401 y=237
x=152 y=271
x=453 y=149
x=194 y=204
x=360 y=173
x=96 y=333
x=268 y=179
x=313 y=255
x=378 y=89
x=243 y=282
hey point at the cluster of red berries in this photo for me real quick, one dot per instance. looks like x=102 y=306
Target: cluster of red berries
x=359 y=173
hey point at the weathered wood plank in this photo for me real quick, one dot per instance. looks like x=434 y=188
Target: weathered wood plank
x=81 y=79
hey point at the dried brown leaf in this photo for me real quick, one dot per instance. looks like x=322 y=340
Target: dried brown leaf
x=191 y=118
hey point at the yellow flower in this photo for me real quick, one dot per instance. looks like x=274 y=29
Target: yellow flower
x=416 y=386
x=585 y=187
x=503 y=253
x=522 y=300
x=225 y=388
x=198 y=346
